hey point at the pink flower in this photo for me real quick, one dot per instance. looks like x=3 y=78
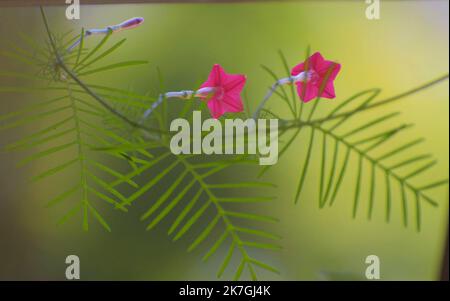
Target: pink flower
x=312 y=81
x=225 y=91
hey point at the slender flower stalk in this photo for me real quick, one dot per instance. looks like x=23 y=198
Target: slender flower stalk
x=299 y=78
x=185 y=94
x=128 y=24
x=221 y=91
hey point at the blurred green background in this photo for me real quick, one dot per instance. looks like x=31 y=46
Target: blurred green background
x=406 y=47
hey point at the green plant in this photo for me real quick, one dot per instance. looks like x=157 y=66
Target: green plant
x=366 y=147
x=96 y=124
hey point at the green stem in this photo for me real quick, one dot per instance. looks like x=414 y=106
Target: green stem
x=373 y=161
x=221 y=211
x=81 y=157
x=385 y=101
x=87 y=89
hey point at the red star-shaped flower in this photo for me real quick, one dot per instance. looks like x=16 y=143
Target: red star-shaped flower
x=318 y=79
x=226 y=90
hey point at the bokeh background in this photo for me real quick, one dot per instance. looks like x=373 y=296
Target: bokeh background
x=406 y=47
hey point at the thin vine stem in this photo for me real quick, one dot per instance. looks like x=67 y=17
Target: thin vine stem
x=385 y=101
x=82 y=158
x=288 y=124
x=264 y=101
x=87 y=89
x=285 y=124
x=374 y=162
x=221 y=211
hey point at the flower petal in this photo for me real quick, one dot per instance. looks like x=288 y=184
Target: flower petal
x=216 y=107
x=215 y=77
x=307 y=91
x=298 y=69
x=314 y=61
x=234 y=83
x=328 y=66
x=233 y=103
x=328 y=92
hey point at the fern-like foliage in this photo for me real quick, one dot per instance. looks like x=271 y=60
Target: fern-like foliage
x=196 y=203
x=341 y=134
x=100 y=128
x=182 y=191
x=71 y=122
x=122 y=159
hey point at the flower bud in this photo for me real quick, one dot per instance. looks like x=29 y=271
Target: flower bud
x=128 y=24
